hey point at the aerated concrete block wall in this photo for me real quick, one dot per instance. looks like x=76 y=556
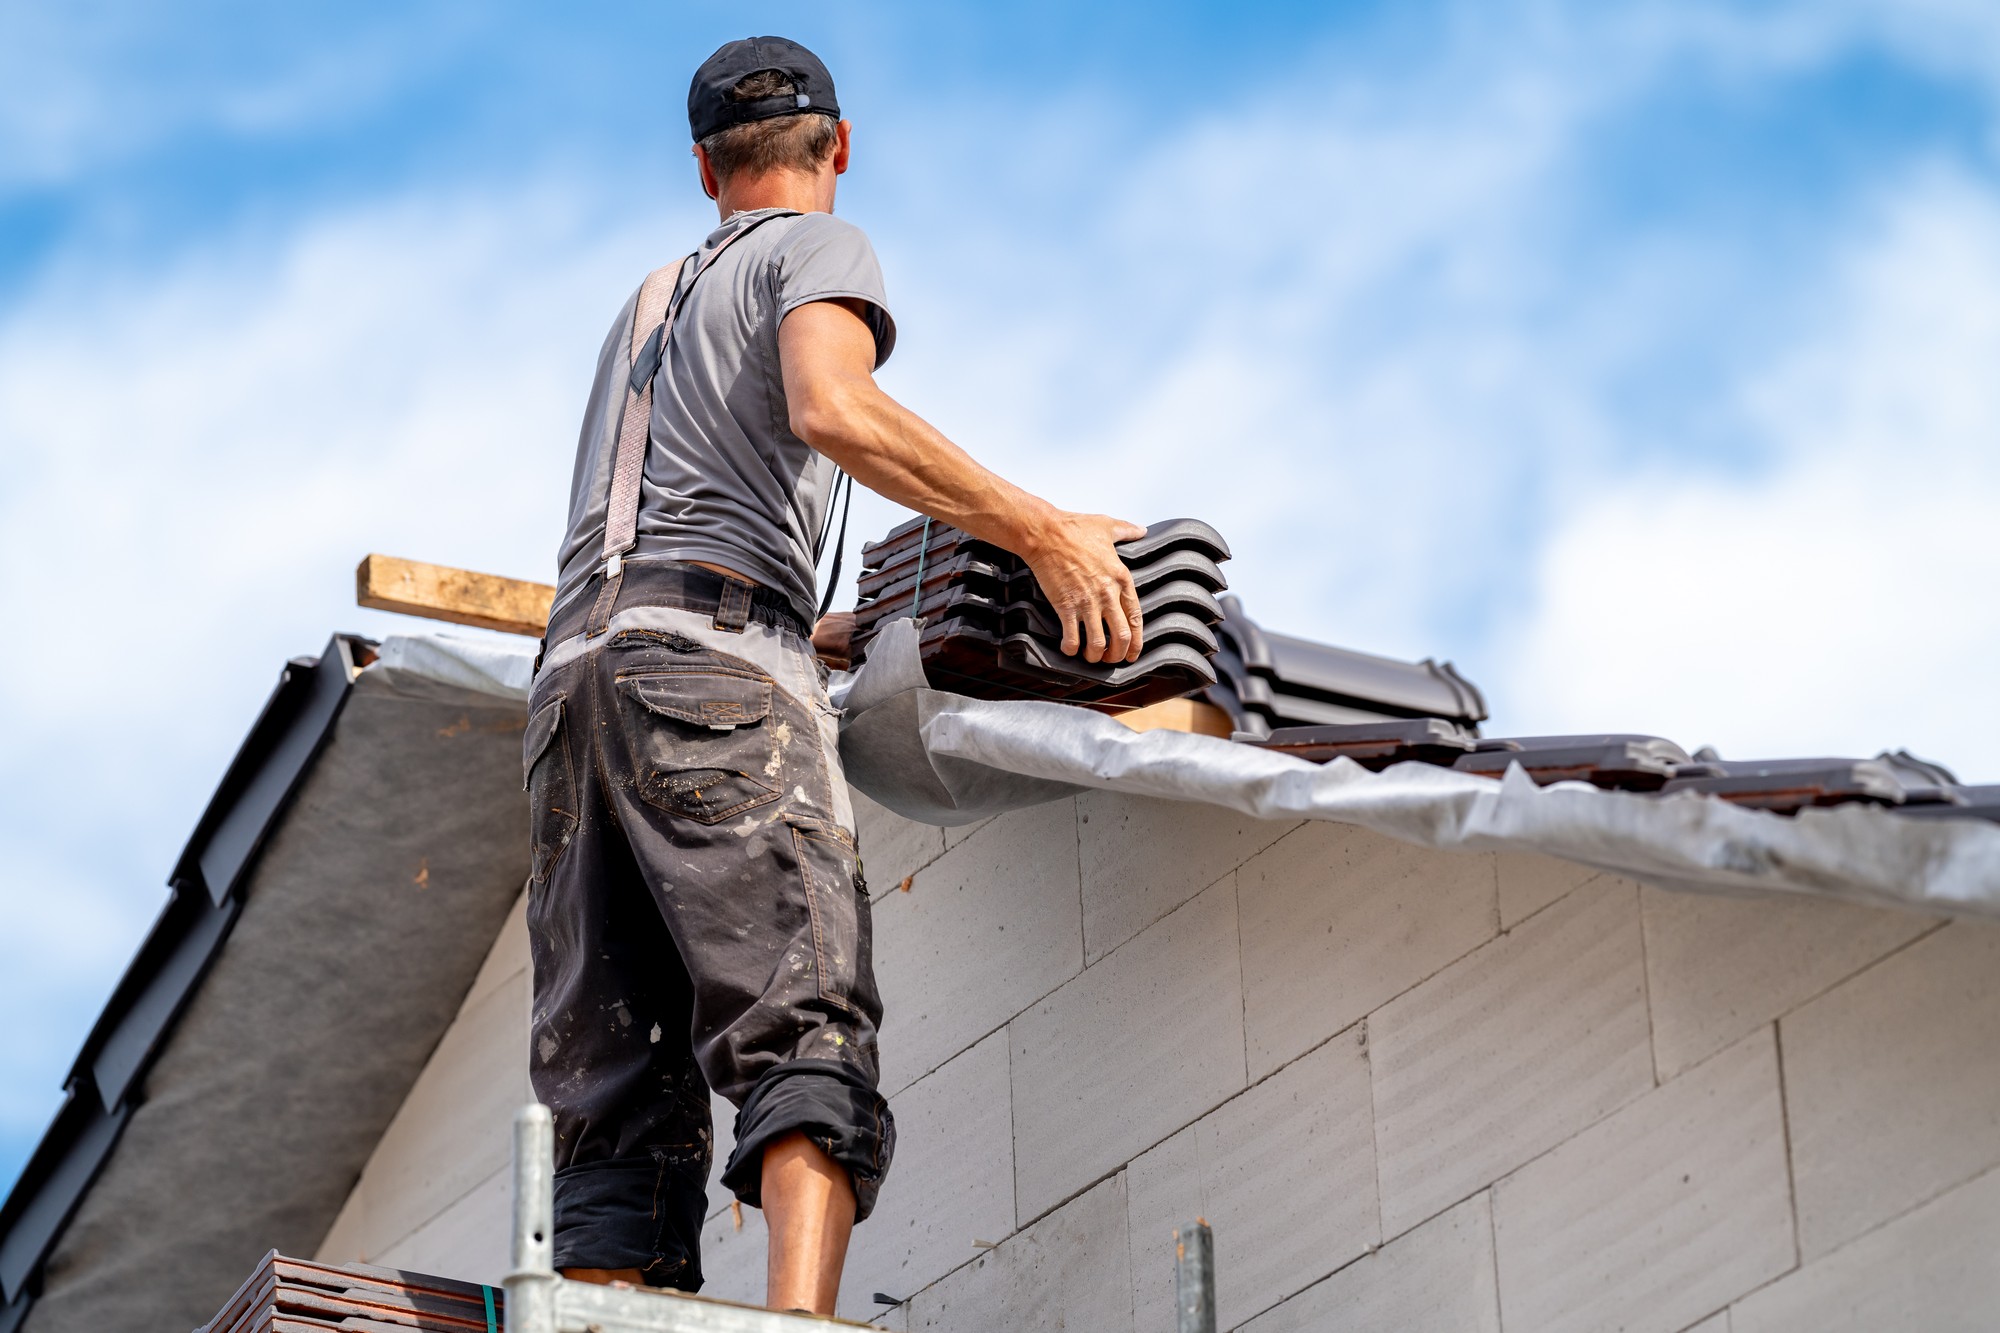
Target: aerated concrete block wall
x=1410 y=1090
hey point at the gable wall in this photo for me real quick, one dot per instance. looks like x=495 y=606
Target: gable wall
x=1409 y=1089
x=436 y=1195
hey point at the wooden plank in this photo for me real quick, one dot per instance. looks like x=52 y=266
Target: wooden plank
x=1190 y=715
x=438 y=592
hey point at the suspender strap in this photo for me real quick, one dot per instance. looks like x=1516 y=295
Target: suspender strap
x=628 y=461
x=660 y=299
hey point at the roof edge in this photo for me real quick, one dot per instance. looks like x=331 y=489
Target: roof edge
x=204 y=903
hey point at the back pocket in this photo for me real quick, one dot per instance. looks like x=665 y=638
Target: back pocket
x=550 y=780
x=699 y=742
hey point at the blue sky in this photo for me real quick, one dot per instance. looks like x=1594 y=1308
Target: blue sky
x=1637 y=357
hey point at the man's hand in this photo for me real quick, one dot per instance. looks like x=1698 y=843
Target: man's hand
x=833 y=639
x=1074 y=560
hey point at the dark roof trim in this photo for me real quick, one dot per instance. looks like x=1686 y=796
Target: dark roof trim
x=205 y=900
x=84 y=1135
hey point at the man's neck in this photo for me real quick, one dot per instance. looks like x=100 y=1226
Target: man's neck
x=776 y=189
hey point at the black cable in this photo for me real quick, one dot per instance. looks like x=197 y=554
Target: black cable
x=840 y=543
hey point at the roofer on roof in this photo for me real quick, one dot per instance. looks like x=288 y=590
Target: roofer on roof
x=697 y=912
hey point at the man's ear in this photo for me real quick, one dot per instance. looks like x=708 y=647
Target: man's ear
x=844 y=130
x=709 y=185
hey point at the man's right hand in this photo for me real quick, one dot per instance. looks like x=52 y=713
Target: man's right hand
x=1074 y=560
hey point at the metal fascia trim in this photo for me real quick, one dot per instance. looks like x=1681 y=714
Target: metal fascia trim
x=193 y=928
x=313 y=692
x=33 y=1227
x=128 y=1047
x=14 y=1312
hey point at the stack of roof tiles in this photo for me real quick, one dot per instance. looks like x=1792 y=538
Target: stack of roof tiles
x=1267 y=681
x=1321 y=703
x=987 y=630
x=293 y=1296
x=1896 y=779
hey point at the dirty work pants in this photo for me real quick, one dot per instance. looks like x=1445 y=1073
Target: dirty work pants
x=697 y=920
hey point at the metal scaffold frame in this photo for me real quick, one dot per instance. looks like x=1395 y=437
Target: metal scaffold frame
x=540 y=1300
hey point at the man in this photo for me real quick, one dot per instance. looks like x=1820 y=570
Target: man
x=696 y=909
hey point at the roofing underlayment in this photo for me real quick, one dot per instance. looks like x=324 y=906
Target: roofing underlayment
x=357 y=860
x=941 y=758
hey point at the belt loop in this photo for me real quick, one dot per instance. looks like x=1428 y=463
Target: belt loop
x=732 y=609
x=607 y=599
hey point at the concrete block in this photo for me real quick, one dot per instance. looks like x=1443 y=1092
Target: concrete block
x=1932 y=1269
x=1285 y=1173
x=1720 y=968
x=454 y=1128
x=991 y=926
x=892 y=847
x=1066 y=1272
x=1657 y=1216
x=1128 y=1052
x=1509 y=1051
x=1337 y=920
x=1142 y=858
x=424 y=1166
x=952 y=1182
x=1437 y=1279
x=508 y=955
x=733 y=1257
x=1892 y=1086
x=1288 y=1178
x=471 y=1240
x=1162 y=1194
x=1530 y=882
x=723 y=1117
x=955 y=834
x=346 y=1241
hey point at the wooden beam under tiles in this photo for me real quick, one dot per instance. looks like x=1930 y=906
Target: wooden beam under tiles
x=439 y=592
x=1190 y=715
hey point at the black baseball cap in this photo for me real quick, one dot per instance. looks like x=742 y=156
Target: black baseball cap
x=711 y=110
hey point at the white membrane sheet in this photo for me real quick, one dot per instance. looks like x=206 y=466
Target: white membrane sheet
x=945 y=759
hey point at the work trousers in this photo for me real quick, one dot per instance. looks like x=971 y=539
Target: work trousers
x=697 y=920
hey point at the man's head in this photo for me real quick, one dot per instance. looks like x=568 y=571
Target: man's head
x=765 y=106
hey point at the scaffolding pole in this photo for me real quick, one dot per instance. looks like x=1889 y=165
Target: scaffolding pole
x=1194 y=1277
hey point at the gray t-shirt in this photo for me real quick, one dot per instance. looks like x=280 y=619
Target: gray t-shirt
x=726 y=480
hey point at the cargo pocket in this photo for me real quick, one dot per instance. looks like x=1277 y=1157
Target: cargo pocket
x=700 y=745
x=549 y=778
x=841 y=923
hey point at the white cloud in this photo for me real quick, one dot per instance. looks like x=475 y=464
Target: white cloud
x=1841 y=601
x=197 y=458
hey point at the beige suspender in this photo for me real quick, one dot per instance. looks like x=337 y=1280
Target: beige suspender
x=652 y=327
x=649 y=320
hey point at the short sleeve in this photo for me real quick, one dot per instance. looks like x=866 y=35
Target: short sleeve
x=823 y=256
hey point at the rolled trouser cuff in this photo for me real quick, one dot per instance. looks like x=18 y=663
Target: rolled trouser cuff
x=633 y=1212
x=835 y=1106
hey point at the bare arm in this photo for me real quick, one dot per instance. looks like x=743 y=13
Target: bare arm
x=828 y=357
